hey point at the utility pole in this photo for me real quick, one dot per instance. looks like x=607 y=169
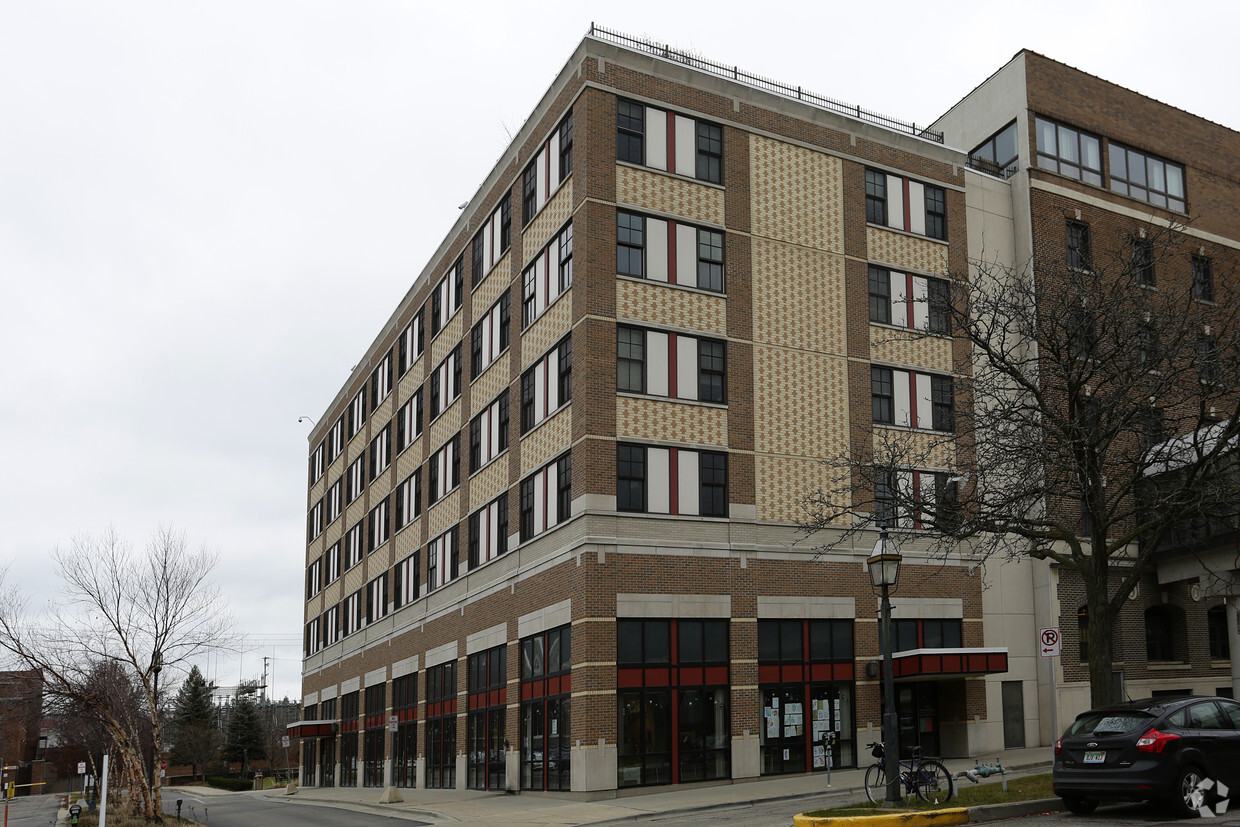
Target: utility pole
x=264 y=687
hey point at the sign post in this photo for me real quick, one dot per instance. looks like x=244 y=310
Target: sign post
x=1048 y=647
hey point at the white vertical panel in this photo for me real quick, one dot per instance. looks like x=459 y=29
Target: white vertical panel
x=540 y=173
x=540 y=523
x=688 y=466
x=494 y=431
x=658 y=480
x=540 y=386
x=917 y=208
x=901 y=394
x=553 y=379
x=488 y=248
x=895 y=202
x=492 y=530
x=904 y=482
x=656 y=138
x=899 y=299
x=686 y=254
x=656 y=249
x=924 y=417
x=921 y=307
x=656 y=363
x=540 y=283
x=686 y=367
x=494 y=330
x=553 y=160
x=686 y=146
x=551 y=474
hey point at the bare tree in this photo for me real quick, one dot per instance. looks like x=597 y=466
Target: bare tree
x=142 y=611
x=1093 y=422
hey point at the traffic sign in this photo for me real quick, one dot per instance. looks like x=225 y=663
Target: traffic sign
x=81 y=768
x=284 y=741
x=1048 y=642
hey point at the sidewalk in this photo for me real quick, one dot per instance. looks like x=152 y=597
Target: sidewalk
x=475 y=807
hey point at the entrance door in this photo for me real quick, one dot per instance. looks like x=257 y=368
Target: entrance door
x=1013 y=715
x=917 y=708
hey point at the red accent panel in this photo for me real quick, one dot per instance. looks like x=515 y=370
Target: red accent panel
x=953 y=663
x=715 y=675
x=552 y=685
x=673 y=461
x=820 y=672
x=908 y=296
x=977 y=663
x=998 y=662
x=913 y=419
x=793 y=672
x=376 y=720
x=931 y=663
x=628 y=678
x=348 y=726
x=566 y=684
x=908 y=224
x=671 y=261
x=660 y=676
x=671 y=142
x=768 y=674
x=690 y=676
x=410 y=714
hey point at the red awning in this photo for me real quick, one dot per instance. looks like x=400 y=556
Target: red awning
x=311 y=729
x=924 y=664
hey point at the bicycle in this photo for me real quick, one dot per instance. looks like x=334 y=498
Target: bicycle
x=924 y=778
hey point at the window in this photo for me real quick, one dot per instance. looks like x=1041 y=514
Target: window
x=566 y=146
x=882 y=395
x=405 y=739
x=910 y=301
x=942 y=402
x=335 y=498
x=1147 y=178
x=1203 y=279
x=529 y=192
x=381 y=381
x=488 y=433
x=446 y=297
x=926 y=634
x=335 y=439
x=411 y=343
x=405 y=581
x=710 y=260
x=1078 y=245
x=444 y=470
x=316 y=463
x=442 y=565
x=357 y=478
x=490 y=336
x=658 y=480
x=673 y=365
x=314 y=637
x=546 y=497
x=916 y=499
x=1216 y=626
x=445 y=382
x=880 y=295
x=357 y=413
x=1143 y=262
x=381 y=452
x=1153 y=429
x=884 y=497
x=409 y=421
x=441 y=726
x=939 y=306
x=374 y=735
x=331 y=625
x=1165 y=633
x=477 y=257
x=314 y=578
x=936 y=212
x=875 y=197
x=488 y=532
x=547 y=277
x=1207 y=358
x=379 y=524
x=1148 y=350
x=353 y=613
x=709 y=152
x=505 y=222
x=376 y=598
x=409 y=499
x=630 y=244
x=565 y=242
x=332 y=558
x=487 y=678
x=547 y=385
x=1069 y=152
x=630 y=132
x=315 y=527
x=545 y=710
x=353 y=546
x=997 y=153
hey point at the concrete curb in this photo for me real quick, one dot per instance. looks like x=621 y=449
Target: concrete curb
x=927 y=818
x=1015 y=809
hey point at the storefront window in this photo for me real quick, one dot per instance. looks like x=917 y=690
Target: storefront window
x=488 y=677
x=441 y=726
x=546 y=681
x=405 y=740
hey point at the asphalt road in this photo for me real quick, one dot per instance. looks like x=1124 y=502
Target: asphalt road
x=34 y=811
x=1113 y=815
x=255 y=811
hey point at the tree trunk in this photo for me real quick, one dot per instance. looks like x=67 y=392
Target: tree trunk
x=1097 y=600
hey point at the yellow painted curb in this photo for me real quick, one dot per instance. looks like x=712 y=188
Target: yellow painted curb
x=927 y=818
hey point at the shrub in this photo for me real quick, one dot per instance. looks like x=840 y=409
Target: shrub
x=234 y=784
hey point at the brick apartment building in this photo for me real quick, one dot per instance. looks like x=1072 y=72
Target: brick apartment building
x=553 y=516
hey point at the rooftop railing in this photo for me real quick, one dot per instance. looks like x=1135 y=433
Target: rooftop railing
x=766 y=84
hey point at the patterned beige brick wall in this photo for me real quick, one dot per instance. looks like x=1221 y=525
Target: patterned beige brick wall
x=552 y=217
x=921 y=449
x=647 y=417
x=801 y=403
x=332 y=533
x=353 y=580
x=442 y=429
x=906 y=251
x=892 y=345
x=488 y=291
x=797 y=194
x=380 y=560
x=488 y=483
x=800 y=298
x=356 y=446
x=409 y=459
x=408 y=539
x=412 y=378
x=680 y=197
x=656 y=302
x=380 y=488
x=382 y=413
x=494 y=379
x=315 y=549
x=447 y=338
x=353 y=512
x=332 y=593
x=318 y=489
x=547 y=330
x=548 y=440
x=444 y=514
x=782 y=484
x=335 y=469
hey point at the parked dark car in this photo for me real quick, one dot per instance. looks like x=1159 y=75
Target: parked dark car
x=1156 y=749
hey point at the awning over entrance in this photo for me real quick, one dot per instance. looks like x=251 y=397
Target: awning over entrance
x=310 y=729
x=924 y=664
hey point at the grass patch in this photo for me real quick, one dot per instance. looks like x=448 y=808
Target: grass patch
x=1025 y=788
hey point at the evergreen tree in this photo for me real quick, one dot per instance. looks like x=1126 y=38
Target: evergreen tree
x=196 y=738
x=243 y=736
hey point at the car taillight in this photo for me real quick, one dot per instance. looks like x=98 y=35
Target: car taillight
x=1058 y=745
x=1155 y=741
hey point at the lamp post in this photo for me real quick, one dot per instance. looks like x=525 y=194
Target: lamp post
x=157 y=663
x=884 y=565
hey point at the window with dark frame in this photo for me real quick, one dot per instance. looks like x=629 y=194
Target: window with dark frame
x=1069 y=151
x=997 y=152
x=938 y=300
x=1143 y=262
x=1203 y=279
x=1146 y=177
x=564 y=378
x=477 y=257
x=630 y=478
x=505 y=223
x=528 y=385
x=630 y=244
x=564 y=487
x=880 y=295
x=711 y=371
x=710 y=260
x=1078 y=245
x=875 y=197
x=630 y=131
x=884 y=496
x=942 y=403
x=566 y=146
x=529 y=192
x=713 y=481
x=882 y=395
x=1207 y=358
x=936 y=212
x=631 y=359
x=709 y=152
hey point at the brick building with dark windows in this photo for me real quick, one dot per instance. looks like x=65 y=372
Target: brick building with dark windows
x=591 y=576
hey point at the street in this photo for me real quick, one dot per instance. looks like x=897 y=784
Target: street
x=1125 y=814
x=243 y=810
x=30 y=811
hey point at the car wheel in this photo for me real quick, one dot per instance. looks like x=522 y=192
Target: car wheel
x=1188 y=796
x=1080 y=806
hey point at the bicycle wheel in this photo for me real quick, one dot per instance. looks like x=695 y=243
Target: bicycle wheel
x=876 y=784
x=934 y=783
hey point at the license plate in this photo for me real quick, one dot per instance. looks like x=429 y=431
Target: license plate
x=1099 y=757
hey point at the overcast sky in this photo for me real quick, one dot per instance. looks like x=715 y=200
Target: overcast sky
x=208 y=210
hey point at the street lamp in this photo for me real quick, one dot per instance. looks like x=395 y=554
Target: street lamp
x=884 y=565
x=157 y=663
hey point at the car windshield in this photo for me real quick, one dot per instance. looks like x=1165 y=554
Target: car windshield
x=1109 y=722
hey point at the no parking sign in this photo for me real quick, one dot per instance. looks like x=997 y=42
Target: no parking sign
x=1048 y=643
